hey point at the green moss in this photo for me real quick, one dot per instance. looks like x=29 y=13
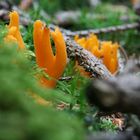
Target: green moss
x=20 y=117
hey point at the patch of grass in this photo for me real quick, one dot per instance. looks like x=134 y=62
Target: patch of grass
x=56 y=5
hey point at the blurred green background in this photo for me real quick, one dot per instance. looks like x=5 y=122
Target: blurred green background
x=101 y=13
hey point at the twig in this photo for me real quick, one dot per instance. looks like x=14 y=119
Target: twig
x=101 y=30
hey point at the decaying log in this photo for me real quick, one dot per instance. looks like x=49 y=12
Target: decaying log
x=120 y=94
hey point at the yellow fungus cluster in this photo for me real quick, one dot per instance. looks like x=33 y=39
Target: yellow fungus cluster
x=14 y=34
x=106 y=50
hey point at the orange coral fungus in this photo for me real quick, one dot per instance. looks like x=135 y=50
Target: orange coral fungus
x=106 y=50
x=14 y=34
x=53 y=65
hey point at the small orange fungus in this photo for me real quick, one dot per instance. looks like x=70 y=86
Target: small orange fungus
x=14 y=34
x=106 y=50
